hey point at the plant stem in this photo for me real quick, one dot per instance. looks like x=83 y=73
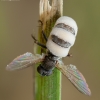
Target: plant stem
x=48 y=87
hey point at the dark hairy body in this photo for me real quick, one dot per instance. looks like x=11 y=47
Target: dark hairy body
x=46 y=67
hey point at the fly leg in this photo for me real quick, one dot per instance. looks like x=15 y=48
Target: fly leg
x=44 y=35
x=69 y=55
x=38 y=43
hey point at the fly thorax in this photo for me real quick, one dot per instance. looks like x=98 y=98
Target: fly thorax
x=48 y=64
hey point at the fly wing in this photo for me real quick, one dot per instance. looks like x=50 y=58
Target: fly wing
x=76 y=78
x=25 y=60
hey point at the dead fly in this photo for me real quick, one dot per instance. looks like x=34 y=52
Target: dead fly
x=60 y=40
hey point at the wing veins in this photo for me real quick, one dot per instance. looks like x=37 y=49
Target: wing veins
x=25 y=60
x=75 y=77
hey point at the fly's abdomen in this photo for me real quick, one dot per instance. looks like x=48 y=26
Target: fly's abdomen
x=62 y=36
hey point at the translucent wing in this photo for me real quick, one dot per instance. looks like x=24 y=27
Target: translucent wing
x=76 y=78
x=25 y=60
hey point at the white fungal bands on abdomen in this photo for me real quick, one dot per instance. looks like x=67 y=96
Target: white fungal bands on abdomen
x=62 y=36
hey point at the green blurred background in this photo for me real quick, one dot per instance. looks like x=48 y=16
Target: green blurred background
x=18 y=20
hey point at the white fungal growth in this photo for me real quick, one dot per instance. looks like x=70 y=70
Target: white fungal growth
x=57 y=50
x=62 y=34
x=64 y=31
x=68 y=21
